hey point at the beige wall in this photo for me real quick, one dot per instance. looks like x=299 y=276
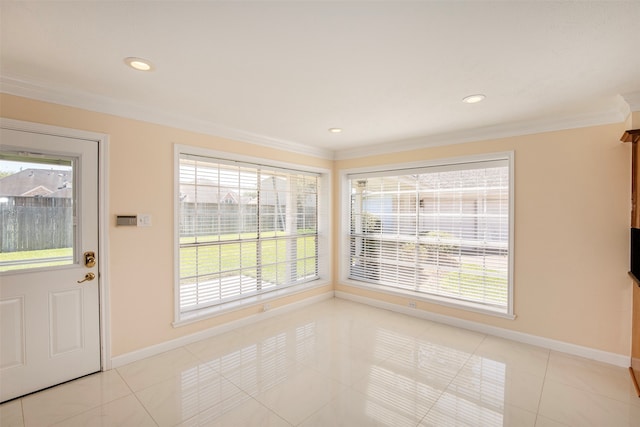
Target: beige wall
x=141 y=181
x=571 y=227
x=572 y=204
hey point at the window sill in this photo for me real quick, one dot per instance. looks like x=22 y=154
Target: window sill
x=432 y=299
x=210 y=312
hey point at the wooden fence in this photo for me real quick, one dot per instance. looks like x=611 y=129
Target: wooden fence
x=33 y=223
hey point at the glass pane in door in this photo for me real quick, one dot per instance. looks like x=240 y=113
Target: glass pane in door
x=36 y=212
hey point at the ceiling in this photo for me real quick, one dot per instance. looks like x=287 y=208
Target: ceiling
x=391 y=74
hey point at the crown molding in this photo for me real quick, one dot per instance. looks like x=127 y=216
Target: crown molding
x=633 y=100
x=106 y=105
x=626 y=103
x=505 y=130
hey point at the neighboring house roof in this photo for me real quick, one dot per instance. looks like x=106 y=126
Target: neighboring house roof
x=211 y=193
x=38 y=191
x=37 y=183
x=208 y=194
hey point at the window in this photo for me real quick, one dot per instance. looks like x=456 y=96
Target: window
x=437 y=232
x=244 y=229
x=37 y=209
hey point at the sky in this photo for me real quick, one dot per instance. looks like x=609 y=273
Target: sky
x=14 y=166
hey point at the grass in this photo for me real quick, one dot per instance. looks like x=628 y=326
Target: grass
x=10 y=257
x=235 y=258
x=227 y=258
x=472 y=282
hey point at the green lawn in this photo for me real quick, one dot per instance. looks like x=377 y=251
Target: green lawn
x=470 y=278
x=9 y=257
x=228 y=258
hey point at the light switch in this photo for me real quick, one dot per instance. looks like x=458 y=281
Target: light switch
x=144 y=220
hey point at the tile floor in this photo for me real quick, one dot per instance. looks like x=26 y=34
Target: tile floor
x=339 y=363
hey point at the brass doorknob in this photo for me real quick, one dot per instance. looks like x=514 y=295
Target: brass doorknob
x=87 y=277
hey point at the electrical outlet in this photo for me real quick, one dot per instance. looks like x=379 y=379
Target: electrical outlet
x=412 y=304
x=266 y=307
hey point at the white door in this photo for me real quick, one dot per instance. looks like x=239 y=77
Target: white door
x=49 y=317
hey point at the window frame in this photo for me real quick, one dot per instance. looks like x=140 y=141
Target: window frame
x=412 y=296
x=323 y=234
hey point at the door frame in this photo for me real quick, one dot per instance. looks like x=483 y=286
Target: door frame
x=103 y=215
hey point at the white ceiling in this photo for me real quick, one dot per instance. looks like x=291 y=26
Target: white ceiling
x=391 y=74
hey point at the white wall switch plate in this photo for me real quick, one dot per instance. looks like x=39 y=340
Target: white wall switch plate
x=144 y=220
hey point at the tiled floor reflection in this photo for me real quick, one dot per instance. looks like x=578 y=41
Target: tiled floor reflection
x=339 y=363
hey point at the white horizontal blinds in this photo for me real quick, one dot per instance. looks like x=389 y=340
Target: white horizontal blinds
x=244 y=229
x=438 y=231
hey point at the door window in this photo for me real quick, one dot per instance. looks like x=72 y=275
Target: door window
x=37 y=211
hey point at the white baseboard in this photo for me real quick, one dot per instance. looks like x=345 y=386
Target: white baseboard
x=153 y=350
x=586 y=352
x=551 y=344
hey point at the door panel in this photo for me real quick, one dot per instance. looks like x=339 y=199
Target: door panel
x=12 y=332
x=49 y=213
x=66 y=323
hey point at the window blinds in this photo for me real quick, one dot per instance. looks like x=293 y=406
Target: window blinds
x=441 y=231
x=244 y=229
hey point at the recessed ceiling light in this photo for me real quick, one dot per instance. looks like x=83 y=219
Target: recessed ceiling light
x=335 y=130
x=138 y=64
x=472 y=99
